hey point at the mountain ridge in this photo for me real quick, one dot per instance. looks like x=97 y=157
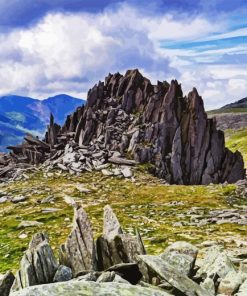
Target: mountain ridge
x=242 y=103
x=20 y=114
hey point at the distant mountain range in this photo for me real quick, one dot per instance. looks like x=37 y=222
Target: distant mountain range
x=239 y=106
x=19 y=115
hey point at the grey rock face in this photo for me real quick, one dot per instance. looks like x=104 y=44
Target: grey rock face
x=243 y=289
x=216 y=261
x=75 y=288
x=62 y=274
x=173 y=277
x=78 y=252
x=115 y=247
x=6 y=282
x=181 y=256
x=230 y=284
x=231 y=121
x=38 y=265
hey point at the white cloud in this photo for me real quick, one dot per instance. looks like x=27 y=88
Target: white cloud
x=242 y=32
x=68 y=53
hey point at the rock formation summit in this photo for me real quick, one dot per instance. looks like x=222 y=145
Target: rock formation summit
x=147 y=123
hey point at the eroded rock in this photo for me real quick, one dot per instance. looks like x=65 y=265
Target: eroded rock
x=75 y=288
x=78 y=252
x=38 y=265
x=6 y=282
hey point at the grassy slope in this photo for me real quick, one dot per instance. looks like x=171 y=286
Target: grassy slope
x=237 y=140
x=143 y=204
x=228 y=110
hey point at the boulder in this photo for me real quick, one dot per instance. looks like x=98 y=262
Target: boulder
x=175 y=278
x=18 y=199
x=243 y=289
x=181 y=256
x=62 y=274
x=127 y=173
x=25 y=224
x=77 y=288
x=128 y=271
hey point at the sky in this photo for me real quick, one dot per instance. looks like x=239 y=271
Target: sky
x=66 y=46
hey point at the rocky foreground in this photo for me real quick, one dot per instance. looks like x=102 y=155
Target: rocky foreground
x=127 y=120
x=117 y=264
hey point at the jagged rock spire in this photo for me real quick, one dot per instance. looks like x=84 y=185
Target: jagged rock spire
x=156 y=124
x=152 y=124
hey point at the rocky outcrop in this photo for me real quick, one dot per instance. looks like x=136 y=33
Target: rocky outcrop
x=120 y=266
x=90 y=288
x=38 y=265
x=115 y=247
x=148 y=123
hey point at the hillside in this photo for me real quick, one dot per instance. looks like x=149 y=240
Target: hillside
x=163 y=213
x=239 y=106
x=232 y=119
x=231 y=116
x=19 y=115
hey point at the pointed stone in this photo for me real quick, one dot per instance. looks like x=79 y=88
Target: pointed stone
x=111 y=226
x=78 y=252
x=38 y=265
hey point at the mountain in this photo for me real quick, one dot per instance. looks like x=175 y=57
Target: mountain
x=19 y=115
x=127 y=120
x=231 y=116
x=241 y=104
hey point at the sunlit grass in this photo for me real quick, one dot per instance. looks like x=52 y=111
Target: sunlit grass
x=145 y=204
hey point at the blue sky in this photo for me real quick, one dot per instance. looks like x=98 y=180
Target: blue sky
x=65 y=46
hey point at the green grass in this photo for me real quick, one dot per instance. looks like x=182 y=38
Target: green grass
x=237 y=140
x=143 y=204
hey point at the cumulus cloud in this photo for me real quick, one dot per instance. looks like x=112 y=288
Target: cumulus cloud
x=67 y=52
